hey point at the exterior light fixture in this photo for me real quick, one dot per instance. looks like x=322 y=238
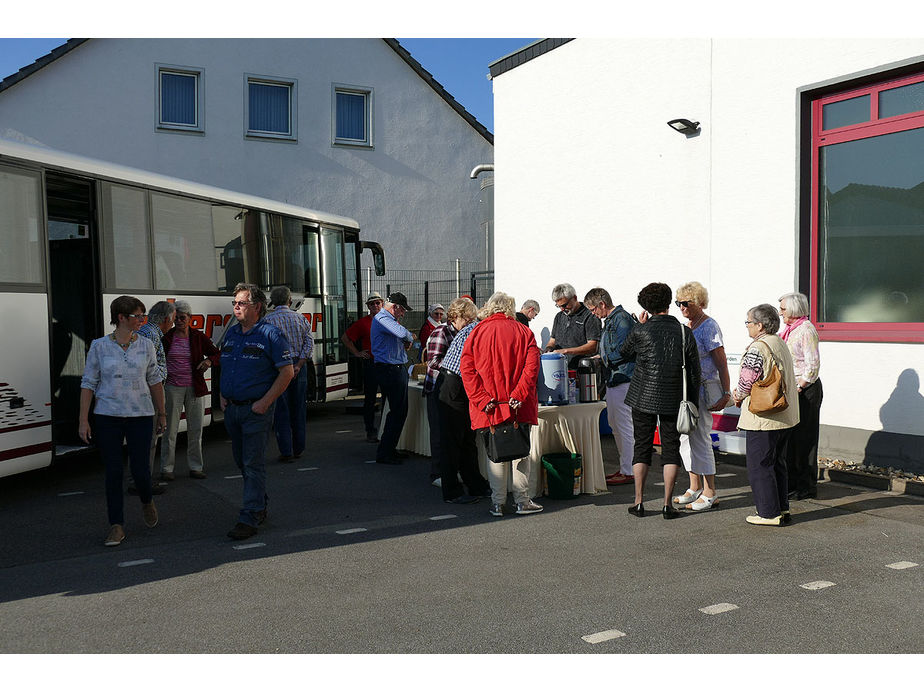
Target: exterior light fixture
x=687 y=127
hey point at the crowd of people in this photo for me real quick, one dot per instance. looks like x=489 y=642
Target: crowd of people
x=481 y=372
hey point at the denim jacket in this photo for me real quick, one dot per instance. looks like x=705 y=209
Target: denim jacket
x=616 y=328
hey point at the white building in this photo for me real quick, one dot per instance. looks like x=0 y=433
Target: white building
x=593 y=188
x=355 y=127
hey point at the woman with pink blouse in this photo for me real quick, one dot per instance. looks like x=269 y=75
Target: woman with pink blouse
x=801 y=442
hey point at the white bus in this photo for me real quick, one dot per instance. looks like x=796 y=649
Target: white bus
x=75 y=233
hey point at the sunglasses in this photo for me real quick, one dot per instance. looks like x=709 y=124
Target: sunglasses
x=682 y=304
x=751 y=322
x=137 y=316
x=235 y=304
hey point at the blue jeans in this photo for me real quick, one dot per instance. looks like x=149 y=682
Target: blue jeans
x=289 y=420
x=249 y=432
x=136 y=431
x=393 y=381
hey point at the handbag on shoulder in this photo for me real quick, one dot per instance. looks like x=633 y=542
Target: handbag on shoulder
x=768 y=396
x=688 y=414
x=507 y=441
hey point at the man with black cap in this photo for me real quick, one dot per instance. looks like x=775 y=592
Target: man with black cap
x=390 y=341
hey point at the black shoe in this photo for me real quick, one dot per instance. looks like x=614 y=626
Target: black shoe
x=792 y=495
x=372 y=438
x=197 y=474
x=463 y=499
x=785 y=517
x=637 y=510
x=260 y=516
x=400 y=455
x=286 y=458
x=669 y=513
x=242 y=531
x=802 y=495
x=389 y=460
x=156 y=490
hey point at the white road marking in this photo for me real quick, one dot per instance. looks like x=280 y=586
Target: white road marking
x=236 y=476
x=307 y=469
x=901 y=565
x=718 y=608
x=354 y=530
x=370 y=461
x=817 y=585
x=343 y=431
x=129 y=564
x=70 y=493
x=722 y=476
x=602 y=636
x=244 y=547
x=658 y=483
x=443 y=517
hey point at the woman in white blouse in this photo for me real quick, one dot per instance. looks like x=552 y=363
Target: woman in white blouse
x=121 y=373
x=801 y=442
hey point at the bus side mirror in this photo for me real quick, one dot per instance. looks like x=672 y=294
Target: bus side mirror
x=378 y=256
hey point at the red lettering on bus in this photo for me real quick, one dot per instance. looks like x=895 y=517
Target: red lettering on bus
x=213 y=320
x=196 y=321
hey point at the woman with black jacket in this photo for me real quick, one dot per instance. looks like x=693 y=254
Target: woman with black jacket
x=656 y=388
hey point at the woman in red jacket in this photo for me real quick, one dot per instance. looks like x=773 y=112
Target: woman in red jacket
x=500 y=366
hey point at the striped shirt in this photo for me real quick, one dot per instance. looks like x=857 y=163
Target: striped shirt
x=452 y=361
x=179 y=365
x=296 y=328
x=435 y=350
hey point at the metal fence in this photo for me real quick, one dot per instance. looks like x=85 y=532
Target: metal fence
x=426 y=287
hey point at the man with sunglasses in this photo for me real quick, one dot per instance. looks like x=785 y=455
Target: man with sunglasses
x=357 y=341
x=256 y=368
x=575 y=330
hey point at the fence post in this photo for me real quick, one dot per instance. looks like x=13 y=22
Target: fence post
x=387 y=291
x=426 y=294
x=458 y=276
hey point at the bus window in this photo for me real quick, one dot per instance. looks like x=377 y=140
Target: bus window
x=20 y=228
x=184 y=255
x=227 y=224
x=334 y=309
x=301 y=267
x=125 y=237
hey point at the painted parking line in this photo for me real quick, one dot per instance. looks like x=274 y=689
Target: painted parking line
x=720 y=608
x=354 y=530
x=244 y=547
x=658 y=483
x=236 y=476
x=70 y=493
x=901 y=565
x=370 y=461
x=443 y=517
x=308 y=469
x=725 y=475
x=343 y=431
x=603 y=636
x=129 y=564
x=817 y=585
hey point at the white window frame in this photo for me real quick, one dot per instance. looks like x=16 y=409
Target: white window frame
x=292 y=85
x=197 y=72
x=368 y=93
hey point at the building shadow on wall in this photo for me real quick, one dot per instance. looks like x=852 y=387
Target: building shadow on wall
x=898 y=444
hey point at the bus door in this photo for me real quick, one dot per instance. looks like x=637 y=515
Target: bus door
x=334 y=310
x=74 y=291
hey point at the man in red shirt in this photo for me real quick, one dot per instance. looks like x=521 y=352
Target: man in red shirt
x=356 y=340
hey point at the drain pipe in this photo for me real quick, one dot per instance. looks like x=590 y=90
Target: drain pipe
x=479 y=169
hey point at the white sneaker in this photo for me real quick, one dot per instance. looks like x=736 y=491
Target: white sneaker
x=528 y=508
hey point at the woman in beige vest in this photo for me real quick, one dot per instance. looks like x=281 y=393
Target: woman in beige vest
x=765 y=461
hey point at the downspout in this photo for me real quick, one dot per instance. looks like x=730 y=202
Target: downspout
x=479 y=169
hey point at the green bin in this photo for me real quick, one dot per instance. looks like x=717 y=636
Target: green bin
x=563 y=471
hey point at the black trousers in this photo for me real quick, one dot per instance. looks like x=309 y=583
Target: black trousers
x=767 y=472
x=458 y=450
x=800 y=443
x=370 y=390
x=393 y=381
x=643 y=425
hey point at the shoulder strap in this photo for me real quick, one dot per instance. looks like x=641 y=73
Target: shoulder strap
x=683 y=355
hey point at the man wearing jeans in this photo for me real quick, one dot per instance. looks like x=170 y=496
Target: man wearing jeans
x=256 y=368
x=390 y=341
x=291 y=407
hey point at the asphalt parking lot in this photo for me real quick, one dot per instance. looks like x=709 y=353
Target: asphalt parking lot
x=366 y=558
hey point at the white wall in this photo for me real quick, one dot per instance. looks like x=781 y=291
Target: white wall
x=412 y=192
x=593 y=188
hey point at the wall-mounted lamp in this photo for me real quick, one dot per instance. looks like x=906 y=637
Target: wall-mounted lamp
x=687 y=127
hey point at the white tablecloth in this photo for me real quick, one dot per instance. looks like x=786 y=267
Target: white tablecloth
x=415 y=436
x=573 y=428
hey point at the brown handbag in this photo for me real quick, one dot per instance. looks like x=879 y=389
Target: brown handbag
x=768 y=396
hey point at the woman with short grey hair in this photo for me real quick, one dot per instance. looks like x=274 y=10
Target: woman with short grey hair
x=801 y=441
x=764 y=431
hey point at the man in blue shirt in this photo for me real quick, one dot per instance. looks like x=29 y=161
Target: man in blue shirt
x=256 y=367
x=390 y=341
x=291 y=407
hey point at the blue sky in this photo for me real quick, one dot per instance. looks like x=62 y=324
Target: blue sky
x=459 y=64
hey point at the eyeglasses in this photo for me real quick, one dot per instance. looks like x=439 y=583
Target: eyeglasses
x=563 y=306
x=137 y=316
x=682 y=304
x=751 y=322
x=235 y=304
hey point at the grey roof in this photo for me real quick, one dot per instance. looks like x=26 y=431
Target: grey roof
x=533 y=50
x=392 y=43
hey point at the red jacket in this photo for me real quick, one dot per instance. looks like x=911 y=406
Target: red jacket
x=500 y=360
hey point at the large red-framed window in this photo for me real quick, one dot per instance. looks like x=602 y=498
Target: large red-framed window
x=867 y=264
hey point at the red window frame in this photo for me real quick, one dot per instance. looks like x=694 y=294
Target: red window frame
x=905 y=332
